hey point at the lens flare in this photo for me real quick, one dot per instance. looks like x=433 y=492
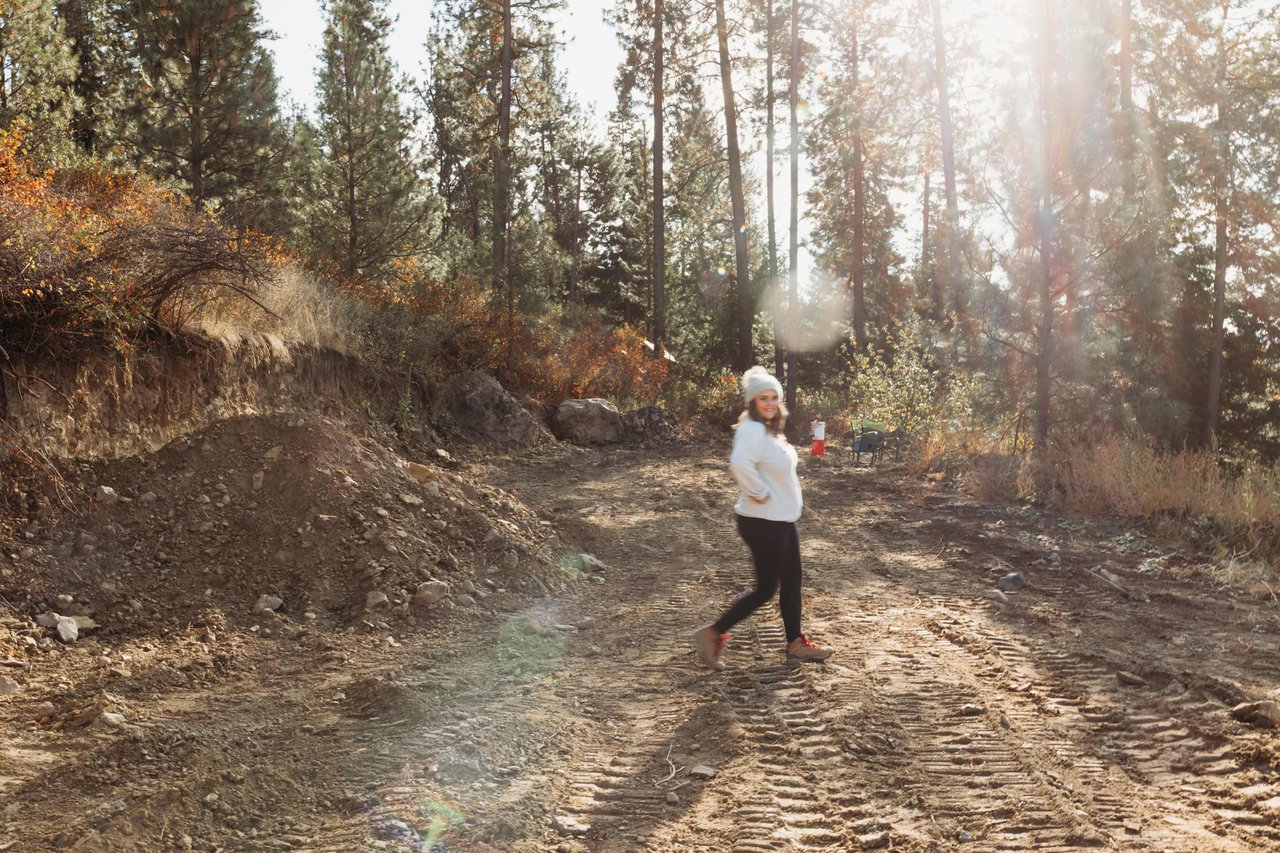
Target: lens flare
x=820 y=321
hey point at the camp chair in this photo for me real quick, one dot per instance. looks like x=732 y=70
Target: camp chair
x=868 y=437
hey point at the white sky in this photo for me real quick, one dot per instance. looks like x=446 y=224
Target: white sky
x=590 y=58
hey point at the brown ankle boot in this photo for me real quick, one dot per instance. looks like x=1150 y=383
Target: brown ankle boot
x=710 y=645
x=802 y=648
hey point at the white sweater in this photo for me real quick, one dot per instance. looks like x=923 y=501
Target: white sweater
x=765 y=465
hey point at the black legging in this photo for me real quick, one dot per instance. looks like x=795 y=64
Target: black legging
x=775 y=550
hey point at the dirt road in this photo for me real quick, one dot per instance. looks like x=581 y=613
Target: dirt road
x=572 y=720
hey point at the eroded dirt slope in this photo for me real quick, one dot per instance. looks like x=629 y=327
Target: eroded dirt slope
x=566 y=713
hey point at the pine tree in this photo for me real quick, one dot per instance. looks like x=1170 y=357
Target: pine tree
x=492 y=150
x=742 y=266
x=372 y=206
x=37 y=68
x=99 y=38
x=867 y=102
x=206 y=114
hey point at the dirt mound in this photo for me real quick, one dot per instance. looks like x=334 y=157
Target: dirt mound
x=336 y=526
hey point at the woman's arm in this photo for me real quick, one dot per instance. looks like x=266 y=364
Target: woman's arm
x=748 y=448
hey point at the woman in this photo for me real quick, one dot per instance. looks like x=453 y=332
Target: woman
x=769 y=502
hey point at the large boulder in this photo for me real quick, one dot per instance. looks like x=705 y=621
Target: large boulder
x=592 y=421
x=478 y=403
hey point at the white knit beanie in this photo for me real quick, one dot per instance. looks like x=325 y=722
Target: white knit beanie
x=756 y=381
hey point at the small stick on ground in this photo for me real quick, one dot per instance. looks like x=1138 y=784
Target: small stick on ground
x=670 y=764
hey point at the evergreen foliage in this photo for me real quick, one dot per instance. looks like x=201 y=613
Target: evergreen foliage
x=372 y=208
x=104 y=69
x=37 y=67
x=205 y=113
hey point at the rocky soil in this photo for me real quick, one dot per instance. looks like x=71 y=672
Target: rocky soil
x=291 y=634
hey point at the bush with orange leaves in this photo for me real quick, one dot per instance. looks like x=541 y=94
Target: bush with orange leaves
x=445 y=327
x=593 y=360
x=90 y=254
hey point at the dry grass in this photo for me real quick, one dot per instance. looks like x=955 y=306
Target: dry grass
x=1132 y=479
x=298 y=308
x=1237 y=512
x=1188 y=495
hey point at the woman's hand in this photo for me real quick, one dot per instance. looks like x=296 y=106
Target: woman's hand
x=758 y=500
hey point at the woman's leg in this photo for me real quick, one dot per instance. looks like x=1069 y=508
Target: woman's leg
x=762 y=537
x=789 y=572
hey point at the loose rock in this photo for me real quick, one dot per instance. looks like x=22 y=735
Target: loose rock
x=1011 y=582
x=1265 y=713
x=8 y=686
x=477 y=402
x=874 y=840
x=375 y=599
x=68 y=631
x=267 y=602
x=702 y=771
x=429 y=592
x=419 y=473
x=1130 y=679
x=673 y=799
x=592 y=421
x=570 y=826
x=84 y=623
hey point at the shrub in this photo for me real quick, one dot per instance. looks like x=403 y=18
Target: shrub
x=87 y=253
x=900 y=390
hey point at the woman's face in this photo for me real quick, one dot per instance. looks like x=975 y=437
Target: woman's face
x=767 y=404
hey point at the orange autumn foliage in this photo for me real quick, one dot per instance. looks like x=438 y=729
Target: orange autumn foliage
x=88 y=253
x=456 y=325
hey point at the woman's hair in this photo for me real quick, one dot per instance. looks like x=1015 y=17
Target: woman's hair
x=775 y=426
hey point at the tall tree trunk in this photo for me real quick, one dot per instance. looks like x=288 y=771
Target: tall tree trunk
x=742 y=273
x=577 y=237
x=793 y=285
x=502 y=185
x=775 y=289
x=1126 y=96
x=659 y=224
x=931 y=281
x=501 y=179
x=349 y=170
x=197 y=136
x=646 y=192
x=1221 y=250
x=1045 y=228
x=950 y=265
x=859 y=210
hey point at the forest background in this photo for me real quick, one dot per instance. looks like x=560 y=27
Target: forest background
x=1042 y=238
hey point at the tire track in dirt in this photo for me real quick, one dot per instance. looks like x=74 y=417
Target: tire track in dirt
x=1089 y=741
x=942 y=722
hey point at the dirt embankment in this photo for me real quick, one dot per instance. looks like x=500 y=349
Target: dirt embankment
x=112 y=405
